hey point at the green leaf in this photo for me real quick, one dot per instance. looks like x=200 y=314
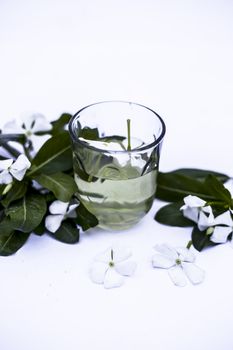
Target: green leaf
x=40 y=229
x=54 y=156
x=27 y=213
x=67 y=233
x=60 y=123
x=85 y=219
x=10 y=240
x=62 y=185
x=200 y=240
x=174 y=187
x=200 y=174
x=88 y=133
x=17 y=191
x=218 y=190
x=172 y=215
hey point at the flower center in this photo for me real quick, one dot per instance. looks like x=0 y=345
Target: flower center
x=210 y=230
x=178 y=262
x=111 y=263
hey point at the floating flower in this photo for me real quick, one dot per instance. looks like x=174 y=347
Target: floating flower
x=195 y=209
x=180 y=264
x=30 y=126
x=10 y=169
x=110 y=267
x=222 y=228
x=59 y=211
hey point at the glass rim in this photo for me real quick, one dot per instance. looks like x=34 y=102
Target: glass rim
x=153 y=144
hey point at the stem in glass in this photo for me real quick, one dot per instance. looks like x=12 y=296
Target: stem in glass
x=128 y=135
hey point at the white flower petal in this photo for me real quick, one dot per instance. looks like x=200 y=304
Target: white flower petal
x=194 y=273
x=208 y=210
x=194 y=201
x=126 y=268
x=5 y=177
x=38 y=141
x=205 y=220
x=71 y=211
x=19 y=167
x=119 y=254
x=105 y=256
x=162 y=261
x=220 y=234
x=13 y=127
x=112 y=279
x=177 y=276
x=41 y=123
x=191 y=213
x=27 y=121
x=98 y=271
x=58 y=207
x=224 y=219
x=5 y=164
x=53 y=222
x=185 y=254
x=167 y=250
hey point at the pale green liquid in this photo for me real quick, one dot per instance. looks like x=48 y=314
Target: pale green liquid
x=118 y=202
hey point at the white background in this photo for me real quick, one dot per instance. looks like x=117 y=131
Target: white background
x=174 y=57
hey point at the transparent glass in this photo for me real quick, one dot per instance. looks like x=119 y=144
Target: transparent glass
x=116 y=151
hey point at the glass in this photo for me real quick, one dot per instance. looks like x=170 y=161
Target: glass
x=116 y=151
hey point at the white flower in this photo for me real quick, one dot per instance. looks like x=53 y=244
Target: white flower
x=10 y=169
x=180 y=264
x=110 y=267
x=30 y=125
x=194 y=209
x=222 y=227
x=60 y=211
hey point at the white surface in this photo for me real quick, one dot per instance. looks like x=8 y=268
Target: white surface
x=175 y=57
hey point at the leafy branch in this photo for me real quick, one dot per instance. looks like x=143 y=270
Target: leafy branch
x=205 y=184
x=25 y=203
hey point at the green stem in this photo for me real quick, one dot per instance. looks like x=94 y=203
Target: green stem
x=27 y=153
x=11 y=150
x=128 y=135
x=189 y=245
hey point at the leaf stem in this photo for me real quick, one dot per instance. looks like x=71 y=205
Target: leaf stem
x=189 y=245
x=128 y=135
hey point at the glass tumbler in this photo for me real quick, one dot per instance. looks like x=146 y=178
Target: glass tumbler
x=116 y=150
